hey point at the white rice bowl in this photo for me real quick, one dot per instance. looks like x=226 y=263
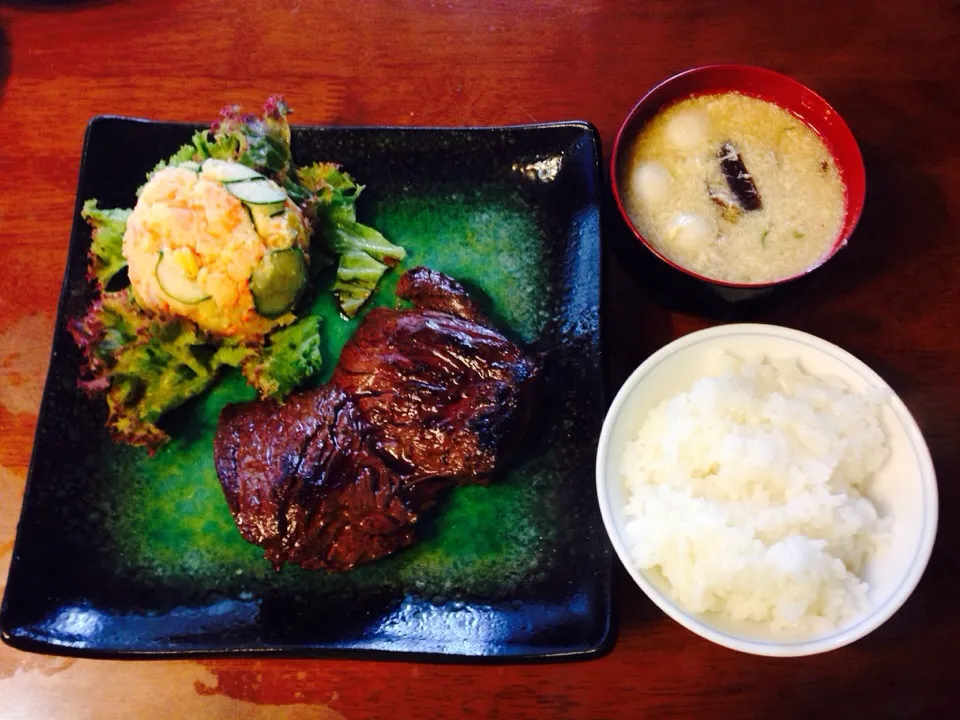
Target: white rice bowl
x=794 y=565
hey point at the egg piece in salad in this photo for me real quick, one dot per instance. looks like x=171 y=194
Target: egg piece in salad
x=218 y=244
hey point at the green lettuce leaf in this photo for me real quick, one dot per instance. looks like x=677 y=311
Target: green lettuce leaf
x=146 y=367
x=196 y=151
x=106 y=246
x=354 y=236
x=290 y=356
x=192 y=152
x=112 y=322
x=261 y=142
x=332 y=192
x=357 y=276
x=365 y=255
x=159 y=374
x=258 y=141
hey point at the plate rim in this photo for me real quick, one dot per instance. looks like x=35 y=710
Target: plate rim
x=20 y=637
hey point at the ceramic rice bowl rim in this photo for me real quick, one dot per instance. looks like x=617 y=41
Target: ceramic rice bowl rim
x=607 y=475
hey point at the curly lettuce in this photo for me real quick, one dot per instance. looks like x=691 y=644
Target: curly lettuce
x=147 y=365
x=330 y=190
x=144 y=366
x=364 y=253
x=261 y=142
x=258 y=141
x=106 y=243
x=291 y=354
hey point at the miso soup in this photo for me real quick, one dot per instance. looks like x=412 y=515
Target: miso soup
x=734 y=188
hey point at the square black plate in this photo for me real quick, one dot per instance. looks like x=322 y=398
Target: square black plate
x=120 y=554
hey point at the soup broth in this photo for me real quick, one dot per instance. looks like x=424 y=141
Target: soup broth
x=734 y=188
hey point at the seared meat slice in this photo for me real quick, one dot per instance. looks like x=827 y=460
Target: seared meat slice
x=421 y=399
x=431 y=290
x=446 y=395
x=301 y=484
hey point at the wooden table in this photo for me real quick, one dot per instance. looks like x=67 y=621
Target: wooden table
x=892 y=298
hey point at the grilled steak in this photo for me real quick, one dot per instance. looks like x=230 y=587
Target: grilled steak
x=421 y=399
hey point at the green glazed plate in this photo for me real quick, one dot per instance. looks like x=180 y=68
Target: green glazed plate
x=122 y=554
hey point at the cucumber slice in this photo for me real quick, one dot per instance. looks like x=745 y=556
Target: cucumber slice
x=277 y=281
x=262 y=214
x=257 y=192
x=190 y=165
x=176 y=284
x=227 y=171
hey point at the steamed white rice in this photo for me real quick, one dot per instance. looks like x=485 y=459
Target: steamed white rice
x=747 y=492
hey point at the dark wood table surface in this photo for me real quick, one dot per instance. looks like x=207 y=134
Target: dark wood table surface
x=892 y=297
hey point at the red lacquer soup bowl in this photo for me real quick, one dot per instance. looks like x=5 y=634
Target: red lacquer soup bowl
x=767 y=85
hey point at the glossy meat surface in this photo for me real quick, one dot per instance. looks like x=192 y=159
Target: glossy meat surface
x=444 y=393
x=421 y=399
